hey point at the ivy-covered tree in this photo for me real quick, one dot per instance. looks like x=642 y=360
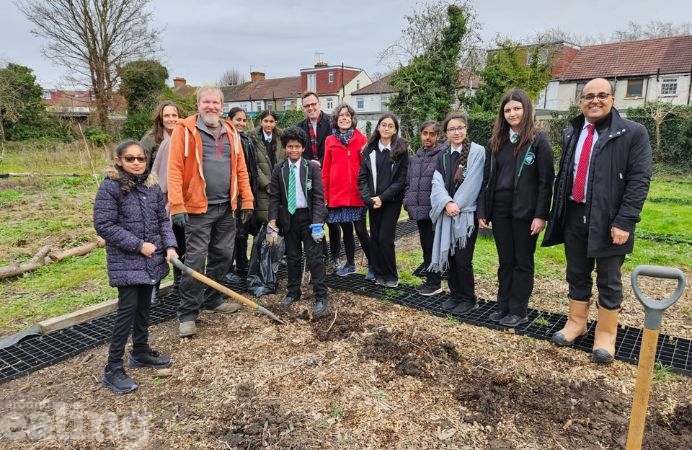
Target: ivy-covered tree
x=507 y=67
x=22 y=114
x=142 y=84
x=426 y=87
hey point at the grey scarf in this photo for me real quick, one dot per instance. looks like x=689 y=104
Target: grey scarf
x=452 y=232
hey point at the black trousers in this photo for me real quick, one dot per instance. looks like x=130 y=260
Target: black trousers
x=580 y=267
x=134 y=303
x=240 y=258
x=515 y=249
x=426 y=233
x=460 y=279
x=298 y=239
x=334 y=241
x=382 y=231
x=350 y=241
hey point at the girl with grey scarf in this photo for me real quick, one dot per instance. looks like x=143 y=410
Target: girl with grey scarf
x=455 y=186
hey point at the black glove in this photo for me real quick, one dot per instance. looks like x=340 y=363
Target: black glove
x=179 y=219
x=245 y=215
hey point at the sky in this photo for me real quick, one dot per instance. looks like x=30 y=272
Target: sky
x=201 y=39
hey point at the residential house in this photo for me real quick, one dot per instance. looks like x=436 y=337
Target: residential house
x=79 y=105
x=333 y=84
x=261 y=93
x=641 y=71
x=183 y=89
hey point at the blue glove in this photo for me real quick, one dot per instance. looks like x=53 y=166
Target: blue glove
x=179 y=219
x=317 y=232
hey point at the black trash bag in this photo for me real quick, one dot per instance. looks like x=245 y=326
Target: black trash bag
x=264 y=264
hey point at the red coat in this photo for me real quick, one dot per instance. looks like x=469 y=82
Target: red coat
x=340 y=171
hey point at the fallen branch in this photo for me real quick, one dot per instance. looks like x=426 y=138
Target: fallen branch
x=36 y=174
x=44 y=257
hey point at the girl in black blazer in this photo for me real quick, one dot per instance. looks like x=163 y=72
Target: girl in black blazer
x=515 y=198
x=381 y=183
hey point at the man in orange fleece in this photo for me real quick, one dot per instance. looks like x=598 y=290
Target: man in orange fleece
x=206 y=173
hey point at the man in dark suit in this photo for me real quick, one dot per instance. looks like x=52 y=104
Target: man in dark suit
x=317 y=128
x=296 y=208
x=600 y=189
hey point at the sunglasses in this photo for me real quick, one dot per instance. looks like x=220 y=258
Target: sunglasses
x=130 y=159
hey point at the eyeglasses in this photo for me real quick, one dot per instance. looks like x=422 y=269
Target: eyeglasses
x=310 y=105
x=130 y=159
x=600 y=96
x=455 y=130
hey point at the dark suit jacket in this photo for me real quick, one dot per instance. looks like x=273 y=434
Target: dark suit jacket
x=324 y=130
x=310 y=181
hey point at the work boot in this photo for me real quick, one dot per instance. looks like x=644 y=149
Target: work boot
x=606 y=333
x=320 y=306
x=187 y=329
x=576 y=323
x=115 y=379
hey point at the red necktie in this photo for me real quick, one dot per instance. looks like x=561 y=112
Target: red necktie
x=580 y=178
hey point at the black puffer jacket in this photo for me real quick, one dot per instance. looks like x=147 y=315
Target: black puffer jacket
x=126 y=220
x=394 y=191
x=619 y=177
x=421 y=168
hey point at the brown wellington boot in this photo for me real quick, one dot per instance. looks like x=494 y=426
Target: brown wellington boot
x=576 y=323
x=606 y=333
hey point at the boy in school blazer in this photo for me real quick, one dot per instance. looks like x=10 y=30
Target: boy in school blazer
x=299 y=217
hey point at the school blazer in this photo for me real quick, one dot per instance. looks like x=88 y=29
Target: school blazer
x=311 y=183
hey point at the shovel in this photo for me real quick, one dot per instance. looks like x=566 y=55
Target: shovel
x=224 y=290
x=653 y=313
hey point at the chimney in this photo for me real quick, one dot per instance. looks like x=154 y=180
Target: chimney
x=179 y=82
x=321 y=64
x=256 y=76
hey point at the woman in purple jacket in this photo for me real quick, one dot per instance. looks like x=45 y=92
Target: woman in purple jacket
x=130 y=215
x=421 y=168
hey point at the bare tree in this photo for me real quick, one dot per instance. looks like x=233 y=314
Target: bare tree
x=651 y=30
x=232 y=77
x=553 y=35
x=423 y=32
x=93 y=38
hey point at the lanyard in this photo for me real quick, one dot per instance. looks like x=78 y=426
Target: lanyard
x=523 y=162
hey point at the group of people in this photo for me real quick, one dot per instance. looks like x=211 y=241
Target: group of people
x=199 y=186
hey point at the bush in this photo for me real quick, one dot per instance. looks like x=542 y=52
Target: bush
x=136 y=125
x=675 y=134
x=481 y=126
x=96 y=135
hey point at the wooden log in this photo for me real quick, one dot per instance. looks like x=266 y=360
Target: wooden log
x=34 y=263
x=77 y=251
x=36 y=174
x=79 y=316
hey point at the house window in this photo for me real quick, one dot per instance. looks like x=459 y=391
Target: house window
x=635 y=88
x=357 y=84
x=580 y=88
x=46 y=95
x=270 y=106
x=243 y=106
x=384 y=102
x=312 y=82
x=330 y=103
x=669 y=86
x=360 y=103
x=258 y=106
x=331 y=77
x=287 y=105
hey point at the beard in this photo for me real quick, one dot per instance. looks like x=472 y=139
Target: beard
x=211 y=120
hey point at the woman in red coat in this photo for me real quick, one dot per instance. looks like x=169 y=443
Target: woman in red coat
x=342 y=160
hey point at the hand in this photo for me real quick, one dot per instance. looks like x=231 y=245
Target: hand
x=317 y=232
x=272 y=236
x=537 y=225
x=148 y=249
x=451 y=209
x=377 y=202
x=245 y=215
x=171 y=253
x=483 y=223
x=179 y=219
x=619 y=236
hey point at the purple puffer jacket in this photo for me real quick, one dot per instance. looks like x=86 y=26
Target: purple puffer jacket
x=419 y=182
x=125 y=222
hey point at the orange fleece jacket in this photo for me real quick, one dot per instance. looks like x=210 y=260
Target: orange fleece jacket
x=186 y=184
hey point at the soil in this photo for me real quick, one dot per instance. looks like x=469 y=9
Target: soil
x=369 y=374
